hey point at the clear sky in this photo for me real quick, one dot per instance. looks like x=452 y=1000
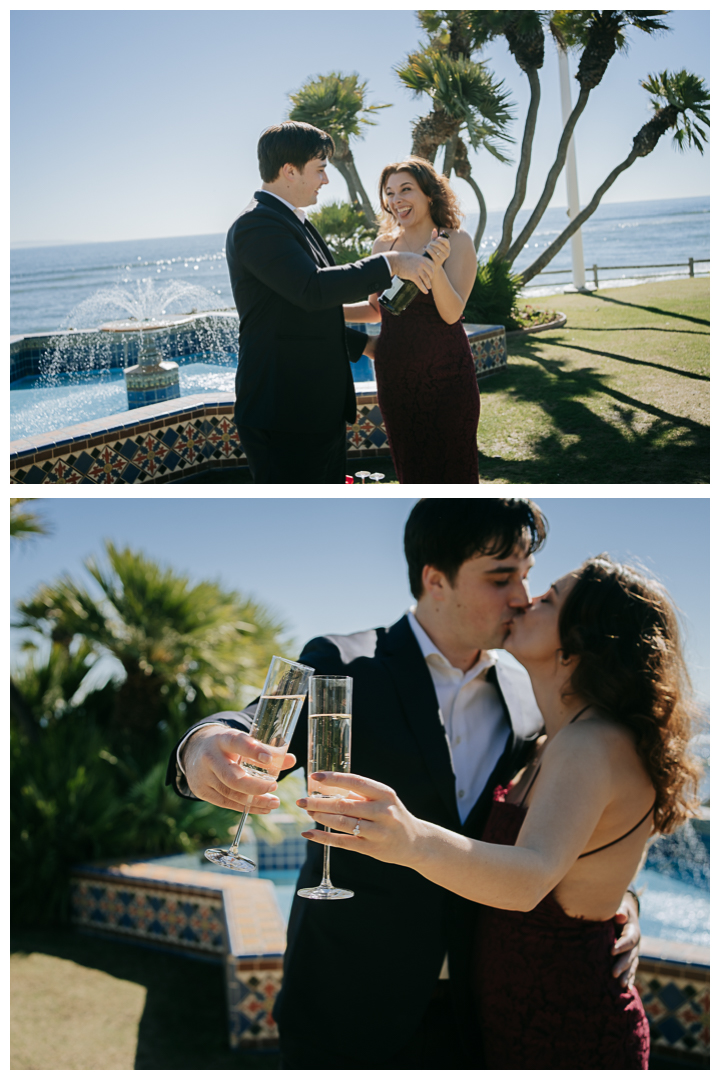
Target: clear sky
x=141 y=124
x=336 y=566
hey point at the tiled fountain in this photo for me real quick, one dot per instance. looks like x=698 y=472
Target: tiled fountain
x=158 y=439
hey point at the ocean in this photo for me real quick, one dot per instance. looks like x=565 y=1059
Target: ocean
x=47 y=284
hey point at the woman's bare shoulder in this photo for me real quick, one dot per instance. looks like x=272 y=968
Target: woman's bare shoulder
x=461 y=240
x=598 y=737
x=383 y=242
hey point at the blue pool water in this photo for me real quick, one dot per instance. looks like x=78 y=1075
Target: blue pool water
x=40 y=403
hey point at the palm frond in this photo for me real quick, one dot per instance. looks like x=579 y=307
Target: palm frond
x=689 y=97
x=336 y=104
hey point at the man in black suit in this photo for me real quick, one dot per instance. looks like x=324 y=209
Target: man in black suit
x=384 y=979
x=294 y=385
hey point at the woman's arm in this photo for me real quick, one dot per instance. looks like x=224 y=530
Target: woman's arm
x=574 y=787
x=369 y=311
x=455 y=277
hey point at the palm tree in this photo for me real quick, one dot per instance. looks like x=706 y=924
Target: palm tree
x=601 y=34
x=524 y=32
x=178 y=646
x=24 y=524
x=681 y=102
x=465 y=97
x=335 y=103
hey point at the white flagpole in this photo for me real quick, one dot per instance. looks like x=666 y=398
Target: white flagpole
x=571 y=179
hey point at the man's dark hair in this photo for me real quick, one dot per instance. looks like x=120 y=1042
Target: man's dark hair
x=445 y=533
x=291 y=143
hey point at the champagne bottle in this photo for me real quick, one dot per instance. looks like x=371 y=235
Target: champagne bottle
x=401 y=293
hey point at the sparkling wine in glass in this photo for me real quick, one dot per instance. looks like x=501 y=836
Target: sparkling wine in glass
x=329 y=726
x=279 y=707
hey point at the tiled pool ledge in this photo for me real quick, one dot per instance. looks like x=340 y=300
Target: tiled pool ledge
x=157 y=444
x=164 y=442
x=228 y=918
x=237 y=921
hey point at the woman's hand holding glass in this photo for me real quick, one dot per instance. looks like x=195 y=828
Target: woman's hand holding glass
x=368 y=818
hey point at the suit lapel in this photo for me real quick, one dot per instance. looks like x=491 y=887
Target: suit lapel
x=316 y=238
x=400 y=652
x=307 y=234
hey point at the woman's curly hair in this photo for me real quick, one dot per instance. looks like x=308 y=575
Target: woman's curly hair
x=623 y=627
x=444 y=205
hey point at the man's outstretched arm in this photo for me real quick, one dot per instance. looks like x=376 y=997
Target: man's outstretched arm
x=272 y=254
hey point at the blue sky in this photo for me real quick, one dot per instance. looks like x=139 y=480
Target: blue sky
x=136 y=124
x=330 y=565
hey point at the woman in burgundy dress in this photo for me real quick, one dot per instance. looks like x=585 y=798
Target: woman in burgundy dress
x=427 y=389
x=565 y=838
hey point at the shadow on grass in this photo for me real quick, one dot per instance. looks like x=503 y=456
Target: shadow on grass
x=614 y=442
x=184 y=1024
x=653 y=310
x=655 y=329
x=634 y=360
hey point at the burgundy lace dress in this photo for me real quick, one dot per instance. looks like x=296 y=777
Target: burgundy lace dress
x=545 y=992
x=428 y=395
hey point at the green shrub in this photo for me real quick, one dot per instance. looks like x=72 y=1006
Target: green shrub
x=494 y=295
x=344 y=231
x=87 y=776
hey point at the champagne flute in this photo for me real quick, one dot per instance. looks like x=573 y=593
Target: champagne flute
x=329 y=722
x=281 y=701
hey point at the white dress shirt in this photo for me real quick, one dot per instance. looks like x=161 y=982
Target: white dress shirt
x=472 y=714
x=297 y=210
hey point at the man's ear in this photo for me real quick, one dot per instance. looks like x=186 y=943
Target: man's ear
x=434 y=582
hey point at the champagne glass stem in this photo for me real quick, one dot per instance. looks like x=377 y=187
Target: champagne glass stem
x=326 y=863
x=238 y=834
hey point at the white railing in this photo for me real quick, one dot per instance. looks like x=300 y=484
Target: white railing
x=594 y=270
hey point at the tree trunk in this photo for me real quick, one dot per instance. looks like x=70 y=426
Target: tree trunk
x=464 y=171
x=552 y=179
x=356 y=191
x=449 y=161
x=550 y=252
x=524 y=167
x=366 y=206
x=644 y=143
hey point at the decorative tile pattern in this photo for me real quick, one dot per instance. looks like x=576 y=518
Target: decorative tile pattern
x=676 y=998
x=252 y=987
x=191 y=436
x=195 y=912
x=367 y=436
x=488 y=345
x=187 y=920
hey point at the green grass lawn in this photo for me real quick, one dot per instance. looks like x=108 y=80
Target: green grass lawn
x=620 y=395
x=80 y=1002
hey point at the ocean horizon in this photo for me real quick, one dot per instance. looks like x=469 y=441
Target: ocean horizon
x=48 y=283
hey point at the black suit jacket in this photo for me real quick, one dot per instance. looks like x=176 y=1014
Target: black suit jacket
x=390 y=939
x=293 y=362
